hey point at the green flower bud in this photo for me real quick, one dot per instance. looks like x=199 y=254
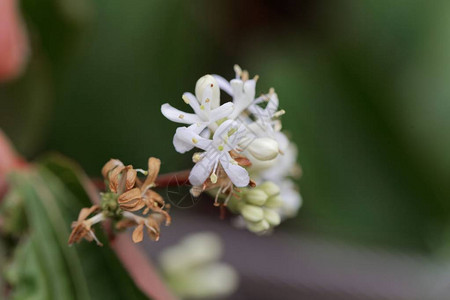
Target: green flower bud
x=274 y=202
x=252 y=213
x=256 y=197
x=258 y=227
x=272 y=217
x=269 y=188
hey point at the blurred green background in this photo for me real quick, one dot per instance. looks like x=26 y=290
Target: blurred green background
x=365 y=85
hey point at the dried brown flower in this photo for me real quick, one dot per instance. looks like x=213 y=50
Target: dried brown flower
x=127 y=192
x=82 y=227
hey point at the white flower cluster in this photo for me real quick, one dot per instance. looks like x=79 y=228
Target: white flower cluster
x=241 y=140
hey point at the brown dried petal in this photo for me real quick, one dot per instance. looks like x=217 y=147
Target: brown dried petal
x=240 y=159
x=131 y=195
x=131 y=178
x=138 y=233
x=133 y=206
x=114 y=178
x=85 y=212
x=153 y=229
x=109 y=166
x=154 y=165
x=154 y=197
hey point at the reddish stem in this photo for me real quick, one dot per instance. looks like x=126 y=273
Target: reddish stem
x=173 y=179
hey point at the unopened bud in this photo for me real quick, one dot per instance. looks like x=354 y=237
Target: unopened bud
x=258 y=227
x=269 y=188
x=264 y=148
x=272 y=217
x=208 y=82
x=274 y=201
x=252 y=213
x=256 y=197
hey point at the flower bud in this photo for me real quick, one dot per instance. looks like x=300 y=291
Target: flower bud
x=269 y=188
x=208 y=82
x=256 y=197
x=258 y=227
x=274 y=201
x=272 y=217
x=252 y=213
x=264 y=148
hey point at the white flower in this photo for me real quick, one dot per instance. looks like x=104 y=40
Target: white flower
x=225 y=139
x=266 y=117
x=206 y=110
x=242 y=89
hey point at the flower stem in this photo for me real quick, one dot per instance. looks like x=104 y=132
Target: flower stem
x=173 y=179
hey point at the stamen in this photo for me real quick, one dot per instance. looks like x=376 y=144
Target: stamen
x=143 y=172
x=207 y=99
x=181 y=116
x=196 y=157
x=202 y=107
x=279 y=113
x=237 y=70
x=194 y=140
x=217 y=196
x=213 y=178
x=91 y=233
x=185 y=99
x=220 y=147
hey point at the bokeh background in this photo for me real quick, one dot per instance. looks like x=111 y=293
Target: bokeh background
x=365 y=86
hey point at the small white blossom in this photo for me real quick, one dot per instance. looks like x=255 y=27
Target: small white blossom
x=225 y=139
x=242 y=89
x=206 y=110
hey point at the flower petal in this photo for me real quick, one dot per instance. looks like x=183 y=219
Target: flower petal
x=190 y=99
x=154 y=164
x=221 y=112
x=85 y=212
x=109 y=166
x=138 y=233
x=201 y=171
x=131 y=195
x=237 y=174
x=224 y=84
x=190 y=137
x=178 y=116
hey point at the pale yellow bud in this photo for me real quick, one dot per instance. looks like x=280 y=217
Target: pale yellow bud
x=208 y=82
x=252 y=213
x=274 y=202
x=258 y=227
x=264 y=148
x=269 y=188
x=272 y=217
x=256 y=197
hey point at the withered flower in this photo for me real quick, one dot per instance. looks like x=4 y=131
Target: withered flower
x=143 y=196
x=151 y=223
x=82 y=227
x=126 y=196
